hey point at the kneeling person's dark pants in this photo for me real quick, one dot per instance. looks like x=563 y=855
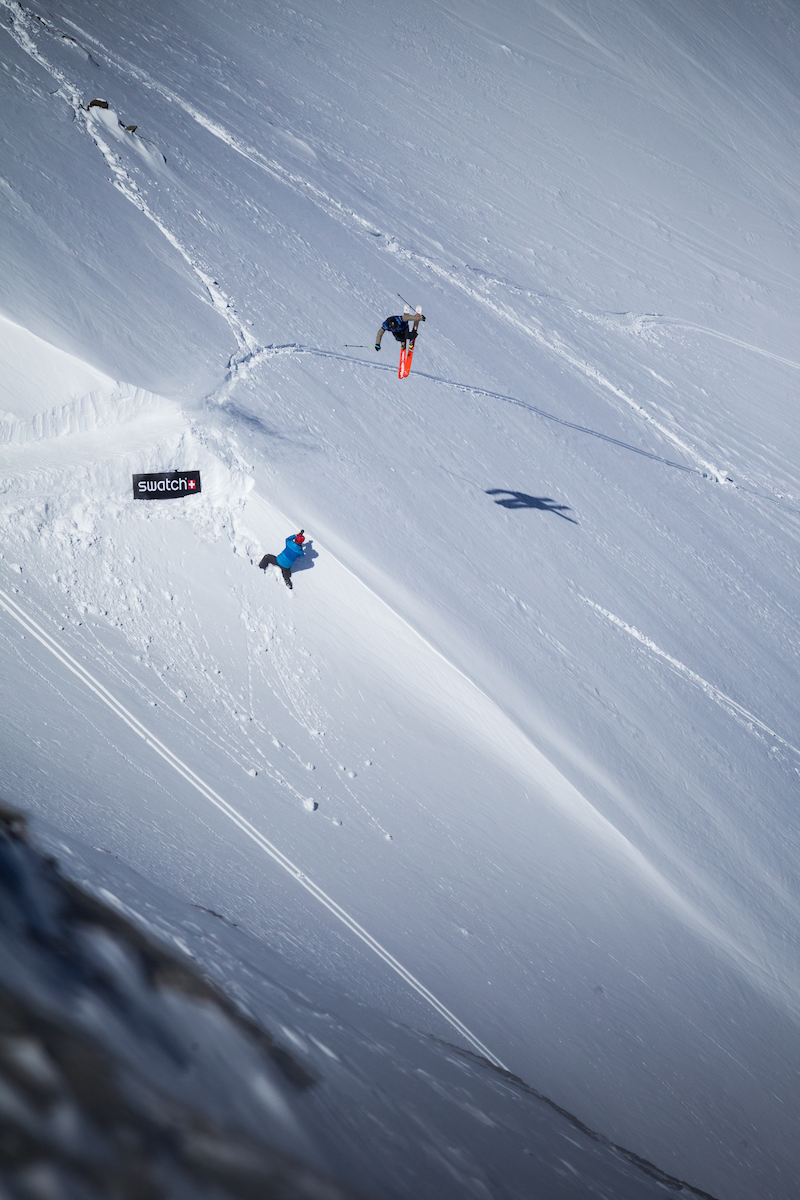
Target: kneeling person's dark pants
x=270 y=560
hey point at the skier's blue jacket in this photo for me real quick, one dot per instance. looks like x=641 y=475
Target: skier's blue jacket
x=292 y=552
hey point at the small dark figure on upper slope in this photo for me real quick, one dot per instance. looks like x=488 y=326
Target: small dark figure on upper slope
x=399 y=327
x=287 y=557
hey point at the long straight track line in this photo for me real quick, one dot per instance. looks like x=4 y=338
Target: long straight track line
x=15 y=610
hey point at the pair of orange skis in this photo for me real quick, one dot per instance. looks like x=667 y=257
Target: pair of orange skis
x=406 y=355
x=405 y=360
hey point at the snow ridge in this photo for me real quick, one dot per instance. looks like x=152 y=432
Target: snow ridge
x=93 y=411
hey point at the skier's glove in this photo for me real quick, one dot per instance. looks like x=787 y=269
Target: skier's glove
x=377 y=345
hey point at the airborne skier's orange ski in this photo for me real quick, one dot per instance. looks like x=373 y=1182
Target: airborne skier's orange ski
x=405 y=361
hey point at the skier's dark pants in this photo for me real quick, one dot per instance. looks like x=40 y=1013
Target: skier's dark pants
x=271 y=560
x=406 y=337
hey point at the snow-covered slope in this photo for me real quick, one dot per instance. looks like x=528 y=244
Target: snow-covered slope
x=516 y=762
x=121 y=1066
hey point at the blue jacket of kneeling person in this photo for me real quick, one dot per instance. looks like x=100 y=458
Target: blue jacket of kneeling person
x=289 y=556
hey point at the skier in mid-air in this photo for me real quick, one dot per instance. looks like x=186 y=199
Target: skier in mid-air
x=287 y=557
x=399 y=327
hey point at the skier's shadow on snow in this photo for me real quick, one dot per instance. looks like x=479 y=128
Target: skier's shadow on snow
x=307 y=561
x=255 y=425
x=252 y=420
x=523 y=500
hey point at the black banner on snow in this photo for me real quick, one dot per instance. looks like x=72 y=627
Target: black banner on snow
x=166 y=485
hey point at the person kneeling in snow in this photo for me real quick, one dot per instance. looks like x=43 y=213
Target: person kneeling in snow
x=287 y=558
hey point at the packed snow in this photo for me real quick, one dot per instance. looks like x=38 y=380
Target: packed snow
x=515 y=763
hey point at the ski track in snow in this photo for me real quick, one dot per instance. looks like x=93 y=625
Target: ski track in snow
x=88 y=680
x=736 y=710
x=242 y=367
x=677 y=323
x=471 y=389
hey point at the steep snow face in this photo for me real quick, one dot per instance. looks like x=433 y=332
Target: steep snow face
x=529 y=714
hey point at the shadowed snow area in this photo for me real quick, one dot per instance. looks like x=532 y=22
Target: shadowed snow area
x=507 y=784
x=125 y=1072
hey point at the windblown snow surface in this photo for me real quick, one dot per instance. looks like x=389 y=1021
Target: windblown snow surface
x=510 y=778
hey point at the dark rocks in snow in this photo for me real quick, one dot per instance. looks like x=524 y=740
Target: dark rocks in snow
x=123 y=1072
